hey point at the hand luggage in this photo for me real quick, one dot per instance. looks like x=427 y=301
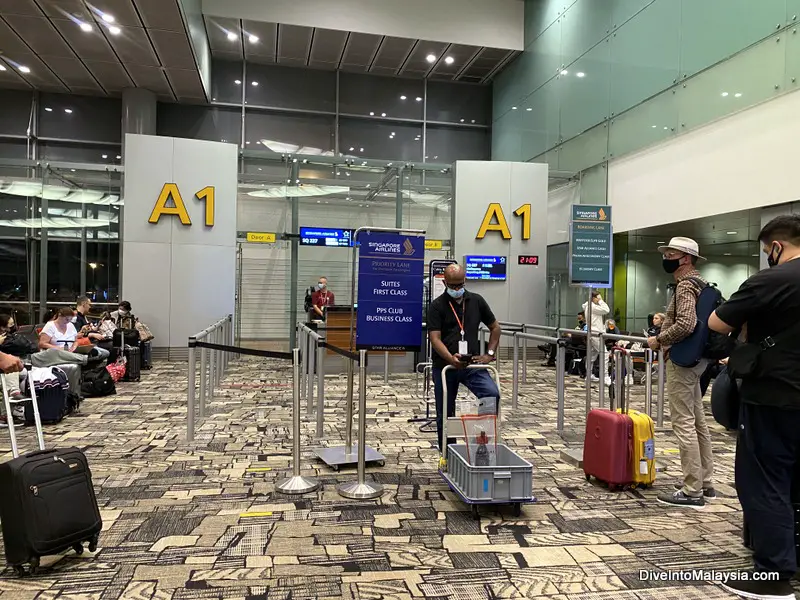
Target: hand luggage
x=147 y=355
x=53 y=404
x=97 y=383
x=48 y=504
x=643 y=464
x=126 y=337
x=133 y=368
x=608 y=445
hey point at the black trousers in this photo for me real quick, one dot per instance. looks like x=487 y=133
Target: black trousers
x=766 y=462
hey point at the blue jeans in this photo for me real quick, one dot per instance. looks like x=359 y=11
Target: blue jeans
x=478 y=381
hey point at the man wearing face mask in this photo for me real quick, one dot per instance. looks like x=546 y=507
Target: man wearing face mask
x=683 y=383
x=768 y=304
x=321 y=298
x=453 y=322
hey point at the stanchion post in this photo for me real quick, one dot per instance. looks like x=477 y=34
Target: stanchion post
x=385 y=368
x=361 y=490
x=304 y=358
x=561 y=360
x=515 y=374
x=296 y=484
x=619 y=381
x=589 y=357
x=320 y=381
x=525 y=356
x=190 y=394
x=648 y=383
x=212 y=367
x=348 y=426
x=602 y=369
x=312 y=369
x=661 y=379
x=203 y=376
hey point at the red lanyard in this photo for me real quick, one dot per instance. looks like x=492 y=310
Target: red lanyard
x=463 y=313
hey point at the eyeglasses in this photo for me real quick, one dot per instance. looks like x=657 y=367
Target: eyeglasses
x=455 y=286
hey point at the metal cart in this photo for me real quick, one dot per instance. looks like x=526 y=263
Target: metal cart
x=510 y=481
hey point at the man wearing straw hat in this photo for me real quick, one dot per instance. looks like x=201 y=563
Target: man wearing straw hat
x=683 y=383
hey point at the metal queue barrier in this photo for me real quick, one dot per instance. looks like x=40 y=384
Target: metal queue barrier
x=526 y=328
x=561 y=359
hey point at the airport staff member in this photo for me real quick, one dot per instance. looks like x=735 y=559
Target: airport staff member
x=321 y=298
x=453 y=322
x=769 y=419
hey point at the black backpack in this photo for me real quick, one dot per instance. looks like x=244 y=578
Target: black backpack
x=307 y=302
x=97 y=382
x=703 y=342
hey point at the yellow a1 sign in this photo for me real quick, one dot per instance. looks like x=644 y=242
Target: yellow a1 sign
x=169 y=192
x=495 y=220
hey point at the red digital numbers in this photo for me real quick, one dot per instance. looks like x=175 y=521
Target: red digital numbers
x=525 y=259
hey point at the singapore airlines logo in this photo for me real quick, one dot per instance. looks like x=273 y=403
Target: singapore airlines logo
x=602 y=214
x=408 y=247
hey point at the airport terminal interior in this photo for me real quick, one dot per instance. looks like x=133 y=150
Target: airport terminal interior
x=191 y=172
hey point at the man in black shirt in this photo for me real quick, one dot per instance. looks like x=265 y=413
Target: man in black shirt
x=453 y=322
x=768 y=304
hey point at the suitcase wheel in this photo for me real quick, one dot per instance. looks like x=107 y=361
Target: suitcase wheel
x=588 y=477
x=20 y=570
x=78 y=548
x=93 y=543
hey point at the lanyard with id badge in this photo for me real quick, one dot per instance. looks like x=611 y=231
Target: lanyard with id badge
x=463 y=348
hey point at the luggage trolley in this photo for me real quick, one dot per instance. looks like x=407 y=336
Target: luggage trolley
x=510 y=481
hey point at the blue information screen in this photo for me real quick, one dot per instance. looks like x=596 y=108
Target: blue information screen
x=391 y=268
x=322 y=236
x=487 y=268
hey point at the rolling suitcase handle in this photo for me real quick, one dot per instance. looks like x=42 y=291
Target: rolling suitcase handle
x=10 y=417
x=620 y=387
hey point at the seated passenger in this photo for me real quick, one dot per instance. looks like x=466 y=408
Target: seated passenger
x=57 y=343
x=123 y=317
x=655 y=327
x=88 y=330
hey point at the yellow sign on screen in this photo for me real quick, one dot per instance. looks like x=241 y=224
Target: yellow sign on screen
x=433 y=244
x=260 y=238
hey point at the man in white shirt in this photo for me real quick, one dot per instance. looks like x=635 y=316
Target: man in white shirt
x=599 y=311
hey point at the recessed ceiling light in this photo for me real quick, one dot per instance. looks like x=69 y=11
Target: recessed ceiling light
x=48 y=109
x=513 y=108
x=731 y=232
x=473 y=120
x=383 y=114
x=402 y=97
x=68 y=111
x=114 y=30
x=564 y=72
x=656 y=242
x=654 y=126
x=351 y=149
x=24 y=69
x=580 y=74
x=253 y=39
x=639 y=250
x=449 y=60
x=431 y=58
x=529 y=109
x=727 y=253
x=737 y=95
x=254 y=83
x=85 y=27
x=119 y=157
x=462 y=120
x=393 y=133
x=360 y=149
x=371 y=114
x=105 y=155
x=724 y=94
x=419 y=99
x=108 y=18
x=238 y=81
x=232 y=37
x=755 y=255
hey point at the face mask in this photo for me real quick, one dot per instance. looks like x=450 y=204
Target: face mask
x=773 y=262
x=456 y=293
x=321 y=286
x=671 y=264
x=123 y=312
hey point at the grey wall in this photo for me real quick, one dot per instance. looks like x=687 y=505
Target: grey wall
x=179 y=279
x=522 y=297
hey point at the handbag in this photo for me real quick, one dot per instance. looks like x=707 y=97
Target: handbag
x=725 y=400
x=745 y=360
x=117 y=370
x=145 y=334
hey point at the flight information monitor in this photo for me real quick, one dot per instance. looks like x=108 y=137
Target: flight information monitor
x=321 y=236
x=486 y=268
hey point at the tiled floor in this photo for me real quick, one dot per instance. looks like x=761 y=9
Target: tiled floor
x=203 y=521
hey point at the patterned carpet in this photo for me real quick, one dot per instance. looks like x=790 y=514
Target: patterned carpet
x=203 y=521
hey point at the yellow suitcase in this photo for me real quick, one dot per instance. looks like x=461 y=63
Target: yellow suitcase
x=643 y=465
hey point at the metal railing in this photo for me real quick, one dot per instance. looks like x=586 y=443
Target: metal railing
x=213 y=364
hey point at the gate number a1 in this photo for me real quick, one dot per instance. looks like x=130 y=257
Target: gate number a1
x=178 y=208
x=495 y=220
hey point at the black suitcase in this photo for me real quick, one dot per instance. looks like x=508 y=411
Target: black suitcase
x=126 y=337
x=47 y=506
x=147 y=355
x=133 y=367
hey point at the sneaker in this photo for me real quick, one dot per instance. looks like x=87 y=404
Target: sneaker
x=608 y=380
x=16 y=396
x=760 y=590
x=680 y=499
x=708 y=492
x=595 y=379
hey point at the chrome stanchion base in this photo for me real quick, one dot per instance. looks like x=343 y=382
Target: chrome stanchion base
x=297 y=485
x=360 y=491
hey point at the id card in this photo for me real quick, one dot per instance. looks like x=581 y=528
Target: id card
x=463 y=348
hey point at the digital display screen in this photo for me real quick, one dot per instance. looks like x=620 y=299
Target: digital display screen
x=321 y=236
x=527 y=259
x=487 y=268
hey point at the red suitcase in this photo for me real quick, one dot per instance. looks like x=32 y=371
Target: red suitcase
x=608 y=447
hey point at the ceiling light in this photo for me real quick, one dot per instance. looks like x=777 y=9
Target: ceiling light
x=114 y=30
x=419 y=99
x=731 y=233
x=737 y=95
x=48 y=109
x=654 y=126
x=656 y=242
x=402 y=97
x=529 y=109
x=638 y=250
x=105 y=155
x=119 y=157
x=473 y=120
x=253 y=39
x=449 y=60
x=513 y=108
x=462 y=120
x=85 y=27
x=232 y=37
x=383 y=114
x=351 y=149
x=724 y=94
x=360 y=149
x=107 y=18
x=755 y=255
x=431 y=58
x=666 y=127
x=727 y=253
x=68 y=111
x=255 y=83
x=564 y=72
x=2 y=67
x=580 y=74
x=238 y=82
x=24 y=69
x=371 y=114
x=393 y=133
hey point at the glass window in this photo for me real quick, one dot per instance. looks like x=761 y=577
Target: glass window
x=388 y=141
x=224 y=77
x=290 y=133
x=17 y=149
x=15 y=116
x=449 y=144
x=287 y=87
x=459 y=103
x=376 y=96
x=80 y=118
x=213 y=123
x=81 y=153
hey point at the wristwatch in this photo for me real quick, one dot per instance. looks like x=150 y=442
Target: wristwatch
x=490 y=353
